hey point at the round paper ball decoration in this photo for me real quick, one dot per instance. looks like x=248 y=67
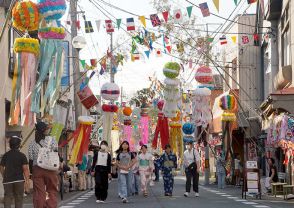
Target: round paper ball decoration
x=204 y=75
x=25 y=16
x=160 y=104
x=30 y=45
x=188 y=128
x=171 y=70
x=52 y=10
x=227 y=102
x=110 y=91
x=127 y=111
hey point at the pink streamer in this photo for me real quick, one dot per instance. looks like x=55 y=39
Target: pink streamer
x=144 y=124
x=127 y=133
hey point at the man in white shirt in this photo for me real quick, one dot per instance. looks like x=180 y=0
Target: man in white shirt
x=192 y=165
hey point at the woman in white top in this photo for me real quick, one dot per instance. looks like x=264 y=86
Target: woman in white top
x=145 y=168
x=101 y=169
x=192 y=165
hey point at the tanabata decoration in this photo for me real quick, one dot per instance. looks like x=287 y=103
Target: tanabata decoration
x=81 y=138
x=176 y=140
x=127 y=128
x=109 y=91
x=188 y=129
x=204 y=77
x=144 y=124
x=25 y=16
x=52 y=10
x=227 y=103
x=24 y=77
x=172 y=94
x=162 y=129
x=87 y=97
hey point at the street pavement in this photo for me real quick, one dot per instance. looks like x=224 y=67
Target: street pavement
x=210 y=197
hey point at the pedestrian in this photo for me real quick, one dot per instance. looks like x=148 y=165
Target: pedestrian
x=90 y=178
x=125 y=161
x=82 y=177
x=220 y=170
x=237 y=172
x=192 y=166
x=135 y=175
x=101 y=170
x=145 y=168
x=15 y=171
x=156 y=167
x=273 y=174
x=168 y=164
x=45 y=182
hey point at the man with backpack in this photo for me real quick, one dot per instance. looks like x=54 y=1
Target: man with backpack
x=44 y=180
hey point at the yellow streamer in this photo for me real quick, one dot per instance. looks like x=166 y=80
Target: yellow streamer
x=77 y=147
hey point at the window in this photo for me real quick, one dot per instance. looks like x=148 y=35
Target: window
x=286 y=40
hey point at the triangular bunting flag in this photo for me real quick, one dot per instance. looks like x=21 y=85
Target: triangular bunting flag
x=147 y=53
x=109 y=26
x=251 y=1
x=234 y=39
x=83 y=63
x=88 y=27
x=143 y=20
x=204 y=9
x=168 y=48
x=118 y=23
x=180 y=48
x=178 y=17
x=93 y=62
x=189 y=10
x=256 y=39
x=216 y=4
x=98 y=24
x=210 y=40
x=236 y=1
x=155 y=20
x=165 y=15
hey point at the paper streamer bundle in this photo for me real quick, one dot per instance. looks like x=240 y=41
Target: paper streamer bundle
x=127 y=128
x=172 y=94
x=161 y=128
x=201 y=107
x=81 y=138
x=176 y=140
x=110 y=92
x=144 y=124
x=188 y=129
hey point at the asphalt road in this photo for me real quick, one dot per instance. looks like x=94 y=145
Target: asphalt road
x=210 y=197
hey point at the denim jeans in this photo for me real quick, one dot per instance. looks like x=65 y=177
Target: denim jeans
x=125 y=185
x=221 y=180
x=135 y=183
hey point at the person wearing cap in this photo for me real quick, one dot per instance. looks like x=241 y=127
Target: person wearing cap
x=44 y=181
x=168 y=162
x=15 y=172
x=192 y=165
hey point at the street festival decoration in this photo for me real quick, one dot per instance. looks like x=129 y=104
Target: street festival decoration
x=127 y=128
x=110 y=92
x=51 y=56
x=228 y=104
x=188 y=129
x=144 y=123
x=81 y=138
x=172 y=94
x=176 y=140
x=162 y=129
x=25 y=17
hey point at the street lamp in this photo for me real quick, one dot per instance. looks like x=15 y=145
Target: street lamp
x=78 y=43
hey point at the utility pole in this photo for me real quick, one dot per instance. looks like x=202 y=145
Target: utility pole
x=76 y=62
x=111 y=65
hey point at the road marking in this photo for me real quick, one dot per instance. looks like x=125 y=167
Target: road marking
x=226 y=195
x=220 y=193
x=67 y=207
x=233 y=197
x=78 y=201
x=249 y=203
x=240 y=200
x=261 y=206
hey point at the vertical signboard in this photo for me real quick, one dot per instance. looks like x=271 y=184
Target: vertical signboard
x=65 y=79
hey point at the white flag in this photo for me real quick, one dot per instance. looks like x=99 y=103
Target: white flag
x=98 y=23
x=178 y=16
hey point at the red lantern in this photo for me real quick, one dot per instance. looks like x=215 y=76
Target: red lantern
x=204 y=75
x=160 y=104
x=127 y=111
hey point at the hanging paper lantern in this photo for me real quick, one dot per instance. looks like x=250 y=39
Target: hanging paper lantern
x=110 y=91
x=109 y=108
x=171 y=70
x=127 y=111
x=25 y=16
x=204 y=75
x=160 y=104
x=52 y=10
x=188 y=139
x=29 y=45
x=228 y=117
x=51 y=33
x=227 y=102
x=188 y=128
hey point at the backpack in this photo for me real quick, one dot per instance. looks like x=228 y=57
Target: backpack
x=47 y=158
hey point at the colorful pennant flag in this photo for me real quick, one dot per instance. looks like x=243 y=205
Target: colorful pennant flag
x=147 y=53
x=204 y=9
x=223 y=40
x=135 y=56
x=180 y=47
x=93 y=62
x=178 y=17
x=158 y=52
x=256 y=39
x=78 y=24
x=251 y=1
x=109 y=26
x=168 y=48
x=155 y=20
x=245 y=39
x=210 y=40
x=143 y=20
x=130 y=24
x=88 y=27
x=118 y=23
x=165 y=15
x=98 y=24
x=216 y=4
x=236 y=1
x=234 y=39
x=101 y=71
x=68 y=22
x=83 y=63
x=189 y=11
x=103 y=63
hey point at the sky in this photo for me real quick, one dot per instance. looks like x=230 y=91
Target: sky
x=133 y=76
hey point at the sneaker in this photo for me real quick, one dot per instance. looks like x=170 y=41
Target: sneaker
x=186 y=194
x=102 y=202
x=125 y=200
x=197 y=194
x=98 y=201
